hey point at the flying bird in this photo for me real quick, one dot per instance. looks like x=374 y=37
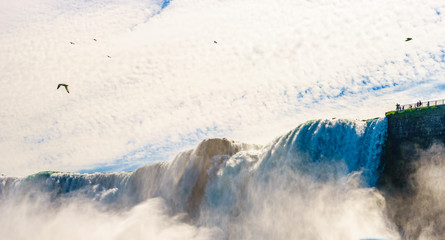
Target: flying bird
x=64 y=85
x=95 y=39
x=108 y=56
x=408 y=39
x=215 y=42
x=72 y=43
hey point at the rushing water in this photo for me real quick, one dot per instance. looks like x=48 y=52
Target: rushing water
x=315 y=182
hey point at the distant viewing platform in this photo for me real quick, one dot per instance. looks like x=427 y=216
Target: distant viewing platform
x=417 y=106
x=420 y=104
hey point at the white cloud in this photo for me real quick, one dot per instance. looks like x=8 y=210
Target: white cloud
x=275 y=65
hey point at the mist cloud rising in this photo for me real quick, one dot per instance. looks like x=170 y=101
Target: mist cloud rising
x=221 y=189
x=82 y=219
x=288 y=205
x=296 y=207
x=425 y=211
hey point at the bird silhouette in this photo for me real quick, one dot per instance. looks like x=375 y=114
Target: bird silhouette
x=408 y=39
x=215 y=42
x=108 y=56
x=95 y=39
x=72 y=43
x=64 y=85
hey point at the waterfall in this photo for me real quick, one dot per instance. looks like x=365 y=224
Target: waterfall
x=320 y=173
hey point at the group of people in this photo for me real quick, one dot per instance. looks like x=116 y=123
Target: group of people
x=418 y=104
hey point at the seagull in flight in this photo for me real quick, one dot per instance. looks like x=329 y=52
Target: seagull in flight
x=64 y=85
x=408 y=39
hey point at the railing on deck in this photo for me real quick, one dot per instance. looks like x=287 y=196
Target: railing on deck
x=420 y=104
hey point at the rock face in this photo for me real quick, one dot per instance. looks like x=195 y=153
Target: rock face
x=410 y=134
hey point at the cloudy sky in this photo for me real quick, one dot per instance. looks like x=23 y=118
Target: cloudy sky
x=155 y=82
